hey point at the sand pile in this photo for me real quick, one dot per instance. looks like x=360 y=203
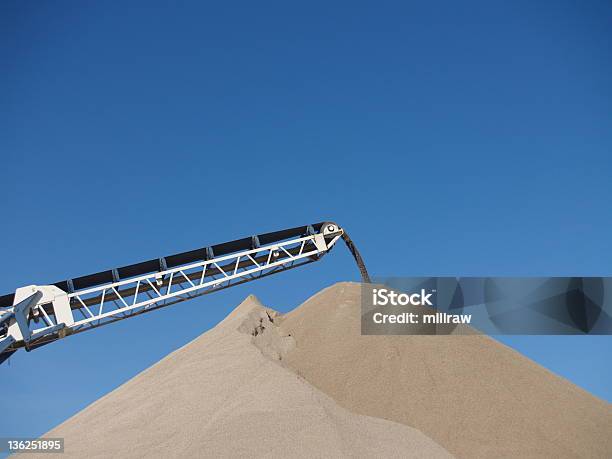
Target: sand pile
x=309 y=385
x=226 y=395
x=471 y=394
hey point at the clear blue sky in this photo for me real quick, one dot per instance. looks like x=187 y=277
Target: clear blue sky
x=449 y=138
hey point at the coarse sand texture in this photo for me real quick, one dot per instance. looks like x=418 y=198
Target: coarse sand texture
x=221 y=396
x=471 y=394
x=308 y=384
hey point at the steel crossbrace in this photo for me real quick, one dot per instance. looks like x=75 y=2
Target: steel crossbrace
x=181 y=280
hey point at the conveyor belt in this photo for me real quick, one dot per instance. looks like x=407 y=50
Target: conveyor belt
x=160 y=264
x=75 y=305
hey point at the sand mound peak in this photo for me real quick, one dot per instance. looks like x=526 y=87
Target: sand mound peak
x=247 y=305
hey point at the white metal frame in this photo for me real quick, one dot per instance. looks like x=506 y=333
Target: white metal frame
x=119 y=300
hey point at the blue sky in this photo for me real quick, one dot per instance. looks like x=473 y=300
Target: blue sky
x=449 y=138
